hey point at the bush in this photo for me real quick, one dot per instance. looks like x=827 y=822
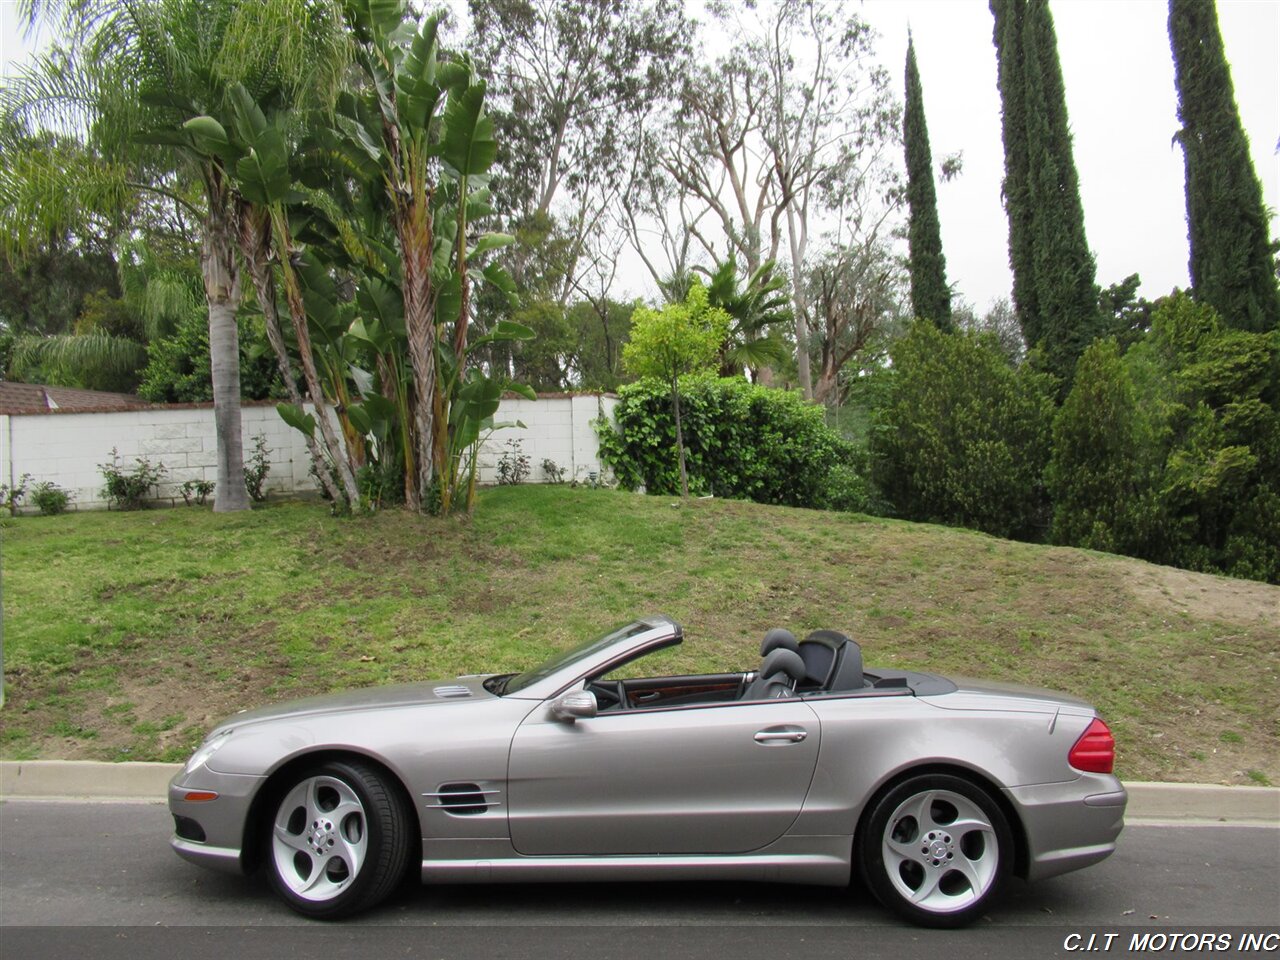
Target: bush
x=50 y=498
x=744 y=441
x=256 y=470
x=1216 y=392
x=1171 y=452
x=129 y=489
x=177 y=369
x=196 y=492
x=963 y=437
x=1104 y=467
x=513 y=465
x=11 y=497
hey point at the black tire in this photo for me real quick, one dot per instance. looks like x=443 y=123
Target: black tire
x=935 y=849
x=338 y=839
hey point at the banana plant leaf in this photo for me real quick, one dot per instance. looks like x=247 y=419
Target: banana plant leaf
x=505 y=330
x=468 y=146
x=294 y=416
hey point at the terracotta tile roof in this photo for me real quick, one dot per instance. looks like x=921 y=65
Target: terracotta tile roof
x=37 y=398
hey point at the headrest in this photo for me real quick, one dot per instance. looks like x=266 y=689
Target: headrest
x=833 y=661
x=782 y=661
x=778 y=638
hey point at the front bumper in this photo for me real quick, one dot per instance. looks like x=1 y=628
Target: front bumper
x=1069 y=825
x=211 y=832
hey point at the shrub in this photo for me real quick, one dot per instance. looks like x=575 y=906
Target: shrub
x=513 y=465
x=11 y=497
x=1216 y=394
x=848 y=489
x=177 y=368
x=128 y=489
x=50 y=498
x=256 y=470
x=744 y=441
x=961 y=436
x=196 y=492
x=552 y=471
x=1105 y=463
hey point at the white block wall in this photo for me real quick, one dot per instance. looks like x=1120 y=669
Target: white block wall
x=556 y=428
x=67 y=447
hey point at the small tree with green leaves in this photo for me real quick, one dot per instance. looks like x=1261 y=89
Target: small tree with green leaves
x=961 y=436
x=679 y=339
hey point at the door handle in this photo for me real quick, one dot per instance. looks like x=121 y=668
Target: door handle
x=781 y=736
x=644 y=697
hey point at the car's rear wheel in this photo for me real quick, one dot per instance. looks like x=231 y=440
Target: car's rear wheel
x=339 y=840
x=935 y=849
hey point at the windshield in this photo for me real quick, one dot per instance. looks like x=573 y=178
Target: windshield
x=569 y=657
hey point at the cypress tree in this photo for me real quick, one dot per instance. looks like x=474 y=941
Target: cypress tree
x=1231 y=255
x=1013 y=127
x=930 y=296
x=1054 y=289
x=1064 y=269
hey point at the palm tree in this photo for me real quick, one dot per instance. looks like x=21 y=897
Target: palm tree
x=126 y=75
x=754 y=311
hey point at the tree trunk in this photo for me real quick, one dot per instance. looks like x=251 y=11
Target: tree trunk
x=411 y=216
x=802 y=312
x=255 y=243
x=675 y=399
x=221 y=275
x=298 y=314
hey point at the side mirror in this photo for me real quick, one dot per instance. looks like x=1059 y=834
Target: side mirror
x=579 y=705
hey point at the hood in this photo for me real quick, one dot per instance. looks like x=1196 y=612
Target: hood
x=443 y=692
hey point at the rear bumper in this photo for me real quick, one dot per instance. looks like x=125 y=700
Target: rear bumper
x=211 y=832
x=1069 y=825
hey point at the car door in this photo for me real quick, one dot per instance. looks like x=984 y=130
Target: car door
x=710 y=778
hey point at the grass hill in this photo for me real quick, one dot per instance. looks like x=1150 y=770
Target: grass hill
x=128 y=635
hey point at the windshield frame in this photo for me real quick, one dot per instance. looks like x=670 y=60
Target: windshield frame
x=537 y=682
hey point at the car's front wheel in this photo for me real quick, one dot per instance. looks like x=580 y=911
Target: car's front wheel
x=935 y=849
x=340 y=840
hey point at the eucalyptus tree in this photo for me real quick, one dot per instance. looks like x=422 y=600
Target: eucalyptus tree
x=126 y=75
x=857 y=296
x=572 y=82
x=794 y=122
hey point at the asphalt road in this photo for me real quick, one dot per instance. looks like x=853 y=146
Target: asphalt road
x=98 y=880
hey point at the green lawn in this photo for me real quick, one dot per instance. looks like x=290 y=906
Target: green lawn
x=128 y=635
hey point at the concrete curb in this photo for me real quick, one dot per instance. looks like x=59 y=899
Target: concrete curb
x=88 y=780
x=1203 y=801
x=85 y=780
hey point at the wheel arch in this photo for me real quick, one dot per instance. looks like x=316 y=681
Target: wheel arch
x=253 y=844
x=1021 y=856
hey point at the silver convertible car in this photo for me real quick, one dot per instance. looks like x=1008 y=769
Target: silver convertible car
x=804 y=770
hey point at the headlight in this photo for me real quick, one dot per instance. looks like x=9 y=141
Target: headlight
x=207 y=750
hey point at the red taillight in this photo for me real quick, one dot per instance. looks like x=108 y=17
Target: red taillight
x=1095 y=751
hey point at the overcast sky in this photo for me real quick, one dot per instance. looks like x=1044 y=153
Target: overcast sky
x=1123 y=110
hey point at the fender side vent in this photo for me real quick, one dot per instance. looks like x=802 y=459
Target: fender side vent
x=462 y=799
